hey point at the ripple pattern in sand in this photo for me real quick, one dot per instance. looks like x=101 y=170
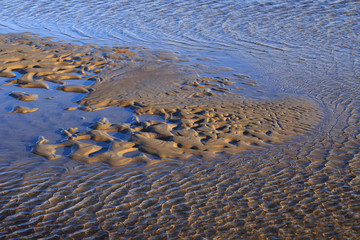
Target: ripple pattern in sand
x=220 y=200
x=196 y=130
x=306 y=188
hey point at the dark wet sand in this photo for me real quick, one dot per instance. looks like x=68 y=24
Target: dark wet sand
x=198 y=160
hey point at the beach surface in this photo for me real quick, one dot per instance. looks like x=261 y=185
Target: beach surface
x=191 y=148
x=216 y=127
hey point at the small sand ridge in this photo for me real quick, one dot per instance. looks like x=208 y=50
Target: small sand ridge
x=202 y=116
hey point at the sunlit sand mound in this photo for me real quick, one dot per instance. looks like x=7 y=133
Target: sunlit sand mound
x=153 y=82
x=137 y=81
x=21 y=109
x=206 y=130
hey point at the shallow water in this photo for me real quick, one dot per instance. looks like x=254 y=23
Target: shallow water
x=307 y=187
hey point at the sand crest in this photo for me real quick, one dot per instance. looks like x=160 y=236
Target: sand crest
x=24 y=96
x=21 y=109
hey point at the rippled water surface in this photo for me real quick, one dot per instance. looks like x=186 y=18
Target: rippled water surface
x=307 y=187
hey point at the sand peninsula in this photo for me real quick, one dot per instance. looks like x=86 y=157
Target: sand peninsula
x=200 y=117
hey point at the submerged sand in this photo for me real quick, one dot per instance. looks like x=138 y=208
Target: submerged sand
x=201 y=117
x=203 y=129
x=181 y=118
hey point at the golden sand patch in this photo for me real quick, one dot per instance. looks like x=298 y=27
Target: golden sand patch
x=30 y=62
x=202 y=117
x=24 y=96
x=21 y=109
x=34 y=63
x=201 y=131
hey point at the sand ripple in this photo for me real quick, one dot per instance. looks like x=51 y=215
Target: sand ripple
x=198 y=130
x=212 y=165
x=216 y=201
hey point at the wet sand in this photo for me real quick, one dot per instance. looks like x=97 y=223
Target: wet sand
x=198 y=160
